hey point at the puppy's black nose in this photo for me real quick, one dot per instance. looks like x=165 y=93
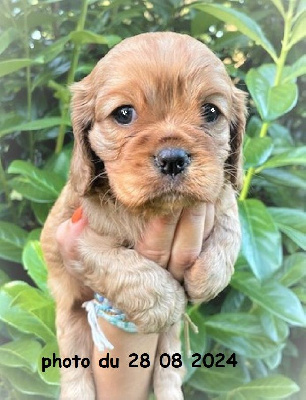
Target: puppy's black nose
x=172 y=161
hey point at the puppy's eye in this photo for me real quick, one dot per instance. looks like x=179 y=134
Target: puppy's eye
x=124 y=115
x=210 y=112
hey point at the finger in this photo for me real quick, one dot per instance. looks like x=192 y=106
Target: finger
x=77 y=215
x=188 y=240
x=209 y=219
x=157 y=239
x=68 y=233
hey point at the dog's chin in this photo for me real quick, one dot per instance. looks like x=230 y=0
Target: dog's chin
x=161 y=203
x=169 y=203
x=163 y=195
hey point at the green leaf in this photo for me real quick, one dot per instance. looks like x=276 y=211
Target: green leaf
x=256 y=150
x=12 y=240
x=254 y=126
x=295 y=156
x=261 y=240
x=269 y=71
x=272 y=296
x=244 y=23
x=35 y=184
x=292 y=223
x=60 y=163
x=300 y=292
x=29 y=383
x=279 y=5
x=53 y=50
x=271 y=101
x=85 y=68
x=38 y=124
x=33 y=261
x=41 y=211
x=82 y=37
x=4 y=278
x=44 y=18
x=270 y=387
x=295 y=270
x=296 y=70
x=20 y=353
x=61 y=92
x=229 y=40
x=298 y=31
x=281 y=137
x=274 y=360
x=28 y=310
x=300 y=8
x=275 y=328
x=10 y=119
x=51 y=375
x=242 y=333
x=34 y=234
x=200 y=23
x=217 y=380
x=28 y=190
x=7 y=37
x=285 y=177
x=9 y=66
x=30 y=298
x=233 y=301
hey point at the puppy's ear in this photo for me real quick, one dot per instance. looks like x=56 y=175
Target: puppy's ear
x=82 y=115
x=234 y=163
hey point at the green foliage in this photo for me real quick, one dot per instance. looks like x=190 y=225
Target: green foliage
x=44 y=47
x=272 y=101
x=261 y=245
x=243 y=22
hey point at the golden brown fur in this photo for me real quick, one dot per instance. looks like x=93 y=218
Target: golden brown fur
x=167 y=77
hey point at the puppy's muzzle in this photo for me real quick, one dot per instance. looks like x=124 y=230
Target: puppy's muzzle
x=172 y=161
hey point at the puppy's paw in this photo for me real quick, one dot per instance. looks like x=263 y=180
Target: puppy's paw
x=207 y=277
x=160 y=305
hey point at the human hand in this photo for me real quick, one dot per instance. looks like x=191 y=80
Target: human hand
x=67 y=234
x=173 y=241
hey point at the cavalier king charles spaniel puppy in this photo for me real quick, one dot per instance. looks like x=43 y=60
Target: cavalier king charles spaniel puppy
x=158 y=125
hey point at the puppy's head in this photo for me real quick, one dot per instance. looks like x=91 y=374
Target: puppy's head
x=157 y=122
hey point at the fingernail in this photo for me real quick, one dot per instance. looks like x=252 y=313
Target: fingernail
x=77 y=215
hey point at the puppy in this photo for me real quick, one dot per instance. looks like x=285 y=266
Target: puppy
x=158 y=125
